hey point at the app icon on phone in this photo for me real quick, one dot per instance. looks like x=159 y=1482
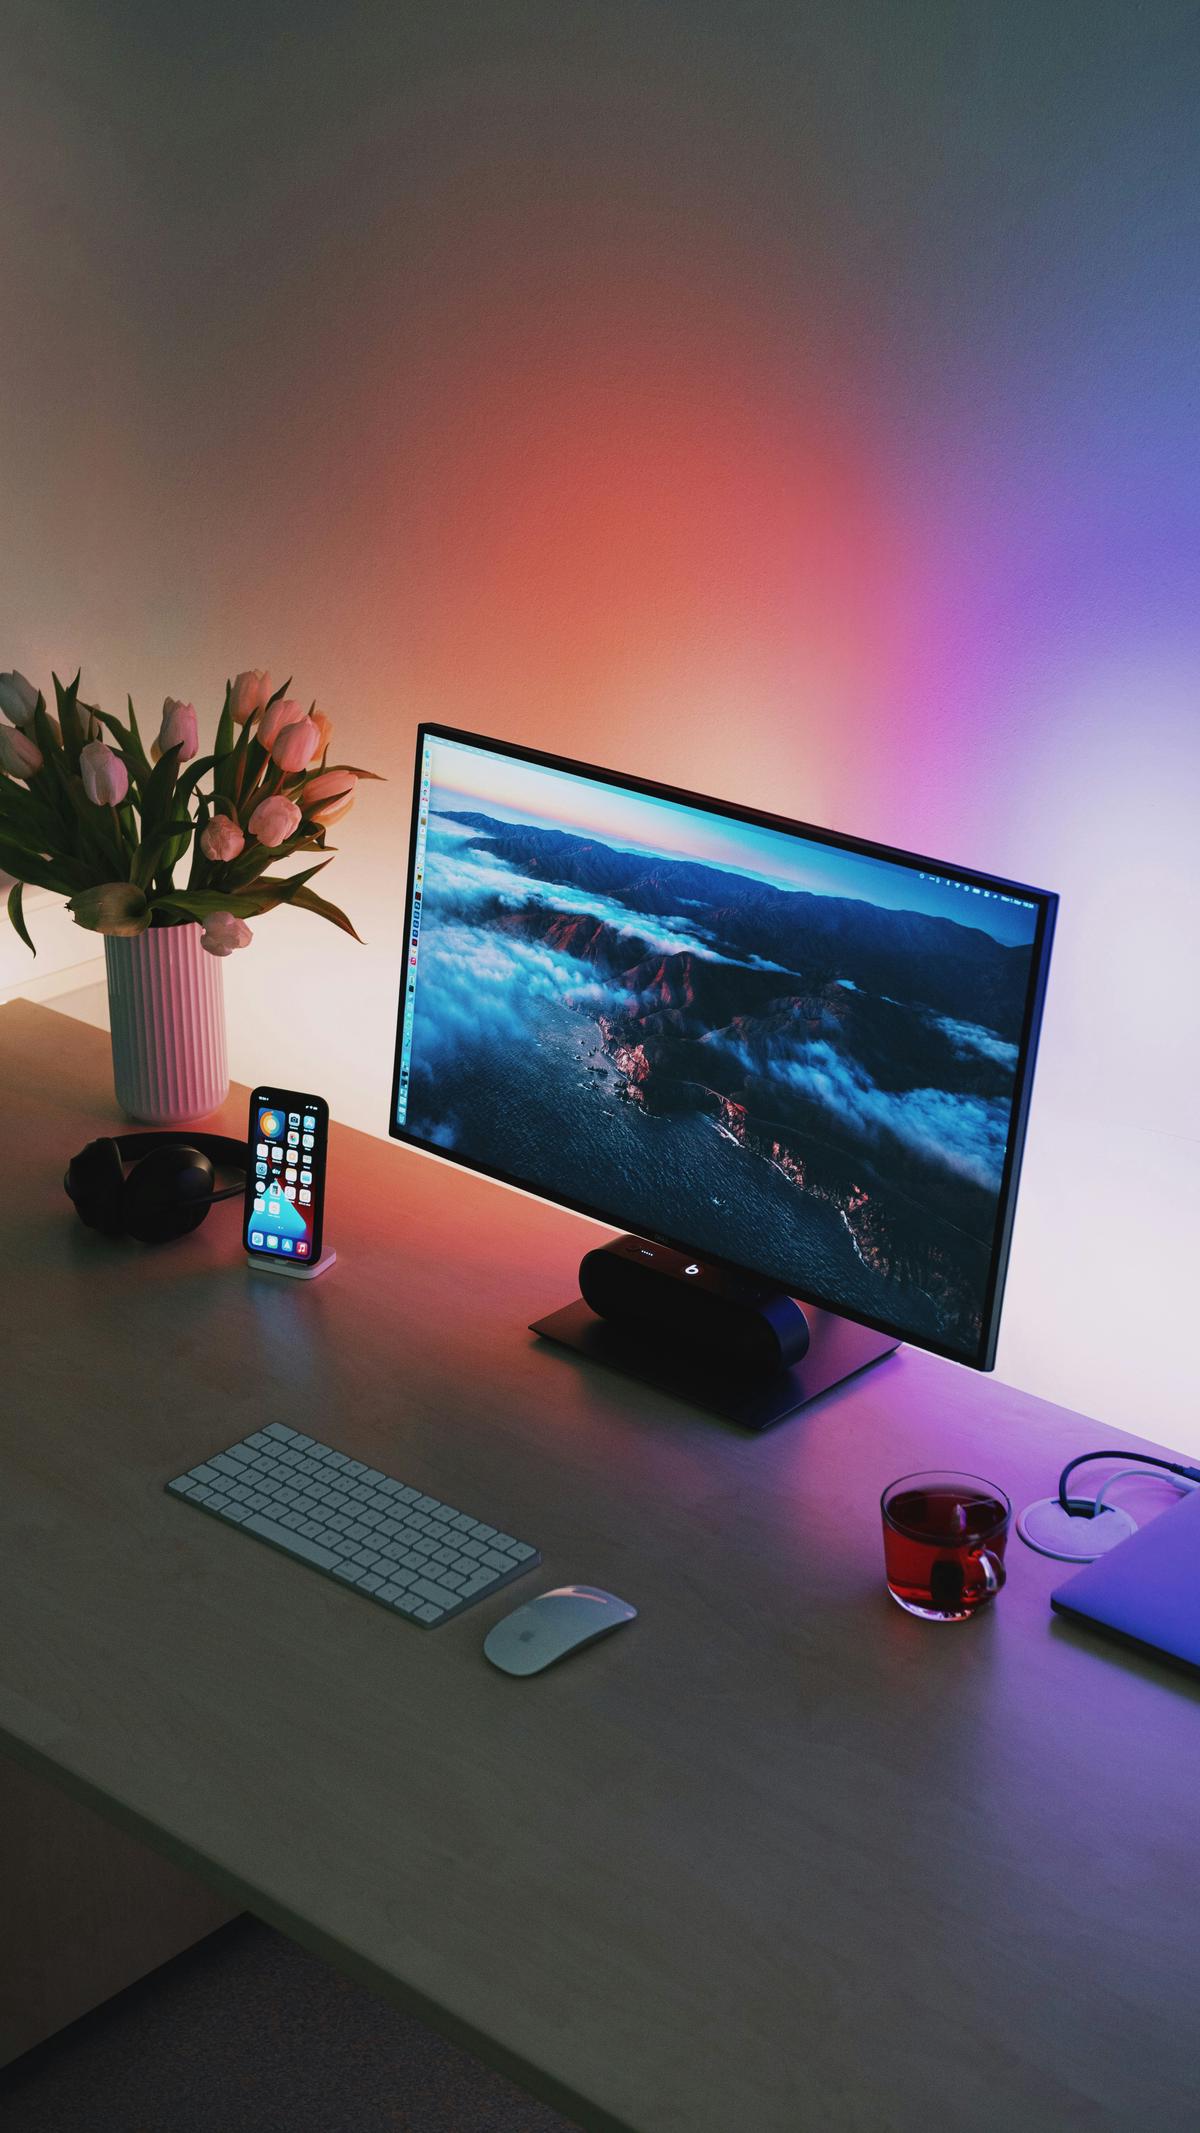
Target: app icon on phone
x=309 y=1138
x=293 y=1118
x=302 y=1250
x=272 y=1243
x=306 y=1177
x=256 y=1236
x=262 y=1147
x=272 y=1207
x=289 y=1192
x=293 y=1140
x=285 y=1244
x=305 y=1197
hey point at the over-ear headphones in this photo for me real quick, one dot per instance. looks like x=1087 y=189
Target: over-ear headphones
x=168 y=1191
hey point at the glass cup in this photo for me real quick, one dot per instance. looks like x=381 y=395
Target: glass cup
x=943 y=1544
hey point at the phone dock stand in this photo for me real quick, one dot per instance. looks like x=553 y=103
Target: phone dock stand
x=289 y=1268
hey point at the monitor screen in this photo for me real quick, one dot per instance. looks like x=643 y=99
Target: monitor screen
x=782 y=1049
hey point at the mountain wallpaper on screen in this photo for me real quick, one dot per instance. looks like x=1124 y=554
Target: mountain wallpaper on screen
x=814 y=1085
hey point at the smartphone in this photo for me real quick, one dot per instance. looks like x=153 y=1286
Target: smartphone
x=285 y=1176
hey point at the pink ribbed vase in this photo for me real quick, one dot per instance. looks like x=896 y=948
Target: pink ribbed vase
x=166 y=1005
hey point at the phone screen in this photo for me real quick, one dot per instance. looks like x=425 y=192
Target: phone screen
x=285 y=1175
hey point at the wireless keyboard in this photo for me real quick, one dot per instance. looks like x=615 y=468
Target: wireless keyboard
x=416 y=1556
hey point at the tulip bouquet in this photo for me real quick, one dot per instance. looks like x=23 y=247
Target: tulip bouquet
x=87 y=812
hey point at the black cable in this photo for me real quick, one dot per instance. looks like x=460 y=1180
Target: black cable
x=1082 y=1507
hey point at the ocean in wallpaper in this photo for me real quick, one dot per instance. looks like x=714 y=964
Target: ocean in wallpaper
x=784 y=1054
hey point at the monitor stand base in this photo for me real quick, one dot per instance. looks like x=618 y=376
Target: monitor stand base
x=837 y=1350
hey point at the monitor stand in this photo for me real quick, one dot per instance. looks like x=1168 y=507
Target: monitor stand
x=659 y=1351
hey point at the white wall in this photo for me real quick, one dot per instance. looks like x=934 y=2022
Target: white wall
x=793 y=401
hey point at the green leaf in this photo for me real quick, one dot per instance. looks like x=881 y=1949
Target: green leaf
x=136 y=746
x=51 y=779
x=280 y=883
x=100 y=839
x=58 y=874
x=35 y=873
x=73 y=730
x=308 y=900
x=46 y=737
x=257 y=858
x=18 y=916
x=27 y=815
x=111 y=907
x=159 y=794
x=158 y=856
x=191 y=778
x=198 y=903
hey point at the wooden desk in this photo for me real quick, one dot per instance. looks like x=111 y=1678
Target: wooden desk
x=776 y=1858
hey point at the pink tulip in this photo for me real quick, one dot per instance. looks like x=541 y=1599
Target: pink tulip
x=273 y=720
x=223 y=933
x=18 y=698
x=275 y=820
x=20 y=756
x=178 y=724
x=221 y=839
x=327 y=796
x=296 y=745
x=105 y=777
x=324 y=728
x=251 y=692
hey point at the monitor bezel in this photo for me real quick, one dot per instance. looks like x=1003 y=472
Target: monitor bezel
x=984 y=1356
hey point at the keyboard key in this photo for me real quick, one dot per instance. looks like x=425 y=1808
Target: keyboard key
x=308 y=1551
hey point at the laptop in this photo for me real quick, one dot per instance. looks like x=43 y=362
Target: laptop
x=1147 y=1591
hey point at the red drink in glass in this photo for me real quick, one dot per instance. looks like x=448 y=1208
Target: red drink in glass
x=943 y=1543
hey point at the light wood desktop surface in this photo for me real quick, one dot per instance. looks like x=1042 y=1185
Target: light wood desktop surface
x=776 y=1858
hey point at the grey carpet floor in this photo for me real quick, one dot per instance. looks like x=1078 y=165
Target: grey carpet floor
x=248 y=2034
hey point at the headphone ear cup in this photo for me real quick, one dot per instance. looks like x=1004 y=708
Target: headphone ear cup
x=167 y=1194
x=95 y=1181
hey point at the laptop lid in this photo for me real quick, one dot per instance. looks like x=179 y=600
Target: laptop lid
x=1147 y=1591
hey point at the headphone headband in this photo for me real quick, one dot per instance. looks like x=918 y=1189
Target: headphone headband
x=220 y=1148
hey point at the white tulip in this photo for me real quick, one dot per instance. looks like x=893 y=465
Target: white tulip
x=271 y=724
x=251 y=692
x=221 y=839
x=179 y=723
x=18 y=698
x=20 y=756
x=104 y=773
x=223 y=932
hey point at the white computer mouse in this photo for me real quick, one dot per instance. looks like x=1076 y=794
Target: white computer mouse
x=556 y=1623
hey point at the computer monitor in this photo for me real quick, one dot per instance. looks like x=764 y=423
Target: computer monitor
x=780 y=1050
